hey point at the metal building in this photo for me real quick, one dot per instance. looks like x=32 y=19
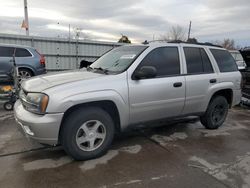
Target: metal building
x=62 y=54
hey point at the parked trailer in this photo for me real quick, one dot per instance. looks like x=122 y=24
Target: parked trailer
x=62 y=54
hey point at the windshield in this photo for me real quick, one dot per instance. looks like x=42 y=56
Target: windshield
x=237 y=56
x=118 y=59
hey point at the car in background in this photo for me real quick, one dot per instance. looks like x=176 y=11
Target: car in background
x=245 y=52
x=28 y=60
x=239 y=59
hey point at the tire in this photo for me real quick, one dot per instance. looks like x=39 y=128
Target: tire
x=80 y=129
x=8 y=106
x=24 y=74
x=216 y=113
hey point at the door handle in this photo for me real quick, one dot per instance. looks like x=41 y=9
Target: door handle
x=177 y=84
x=212 y=81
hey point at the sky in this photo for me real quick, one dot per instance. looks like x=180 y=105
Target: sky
x=140 y=20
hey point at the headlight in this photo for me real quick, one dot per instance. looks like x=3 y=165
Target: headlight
x=35 y=102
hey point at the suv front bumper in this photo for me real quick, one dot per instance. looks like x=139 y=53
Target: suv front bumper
x=42 y=128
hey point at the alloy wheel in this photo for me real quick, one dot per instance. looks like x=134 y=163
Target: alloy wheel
x=90 y=135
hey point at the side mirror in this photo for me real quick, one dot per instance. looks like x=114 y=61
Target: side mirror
x=145 y=72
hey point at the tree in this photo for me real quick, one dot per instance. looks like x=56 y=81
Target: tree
x=175 y=33
x=229 y=44
x=192 y=40
x=124 y=39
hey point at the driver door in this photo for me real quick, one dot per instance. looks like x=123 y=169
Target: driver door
x=162 y=96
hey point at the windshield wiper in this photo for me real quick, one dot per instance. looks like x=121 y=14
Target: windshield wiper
x=89 y=68
x=105 y=71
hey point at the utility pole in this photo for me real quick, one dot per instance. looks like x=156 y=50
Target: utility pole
x=189 y=30
x=26 y=17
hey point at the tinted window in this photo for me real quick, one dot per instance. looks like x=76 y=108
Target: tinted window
x=164 y=59
x=197 y=61
x=193 y=60
x=20 y=52
x=207 y=66
x=224 y=60
x=6 y=51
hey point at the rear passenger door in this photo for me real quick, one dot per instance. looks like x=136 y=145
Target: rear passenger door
x=6 y=62
x=199 y=78
x=162 y=96
x=24 y=58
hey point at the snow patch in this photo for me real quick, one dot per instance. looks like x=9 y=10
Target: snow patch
x=46 y=163
x=164 y=139
x=239 y=169
x=223 y=130
x=91 y=164
x=131 y=149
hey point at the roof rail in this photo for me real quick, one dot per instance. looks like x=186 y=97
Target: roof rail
x=180 y=41
x=198 y=43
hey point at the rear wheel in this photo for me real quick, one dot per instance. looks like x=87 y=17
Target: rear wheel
x=24 y=74
x=87 y=133
x=216 y=113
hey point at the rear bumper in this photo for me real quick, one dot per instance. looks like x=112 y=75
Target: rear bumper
x=42 y=128
x=40 y=71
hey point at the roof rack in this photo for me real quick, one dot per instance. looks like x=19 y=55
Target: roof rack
x=180 y=41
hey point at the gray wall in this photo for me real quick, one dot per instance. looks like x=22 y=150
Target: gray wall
x=62 y=54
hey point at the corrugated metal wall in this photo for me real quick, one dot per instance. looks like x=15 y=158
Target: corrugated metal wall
x=62 y=54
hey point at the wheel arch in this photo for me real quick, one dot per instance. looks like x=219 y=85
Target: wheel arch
x=27 y=68
x=227 y=93
x=107 y=105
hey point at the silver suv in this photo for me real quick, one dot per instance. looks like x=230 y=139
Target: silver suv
x=127 y=86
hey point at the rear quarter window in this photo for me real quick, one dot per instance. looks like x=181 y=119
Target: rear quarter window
x=225 y=60
x=21 y=52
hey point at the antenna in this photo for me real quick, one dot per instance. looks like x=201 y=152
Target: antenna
x=189 y=30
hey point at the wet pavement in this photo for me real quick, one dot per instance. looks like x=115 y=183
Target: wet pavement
x=182 y=154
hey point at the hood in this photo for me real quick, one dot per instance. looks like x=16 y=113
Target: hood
x=43 y=82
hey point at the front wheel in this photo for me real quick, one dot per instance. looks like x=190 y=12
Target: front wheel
x=216 y=113
x=87 y=133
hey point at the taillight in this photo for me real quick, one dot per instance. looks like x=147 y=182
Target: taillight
x=42 y=59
